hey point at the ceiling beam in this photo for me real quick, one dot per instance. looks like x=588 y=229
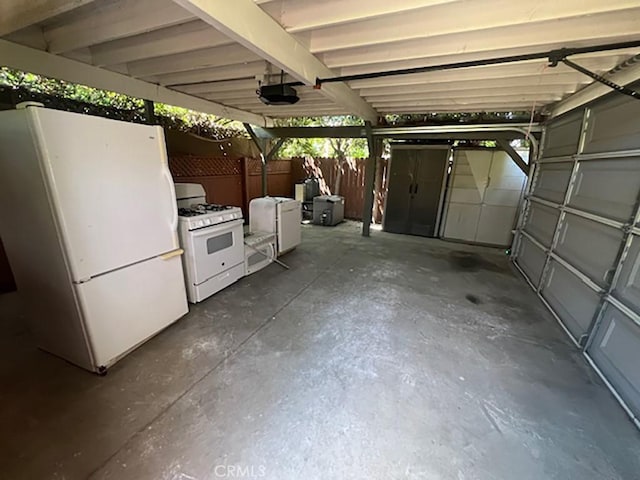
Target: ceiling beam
x=299 y=16
x=450 y=19
x=18 y=14
x=533 y=90
x=623 y=77
x=488 y=107
x=239 y=71
x=486 y=72
x=49 y=65
x=560 y=80
x=249 y=25
x=222 y=56
x=513 y=130
x=165 y=41
x=113 y=20
x=470 y=102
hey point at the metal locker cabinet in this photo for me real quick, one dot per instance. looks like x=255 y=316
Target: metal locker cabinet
x=415 y=189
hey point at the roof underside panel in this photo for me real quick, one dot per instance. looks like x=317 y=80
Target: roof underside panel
x=219 y=55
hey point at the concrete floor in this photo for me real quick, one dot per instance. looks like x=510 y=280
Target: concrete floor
x=391 y=357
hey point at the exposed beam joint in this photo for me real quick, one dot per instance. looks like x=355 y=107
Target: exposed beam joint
x=250 y=26
x=515 y=156
x=49 y=65
x=275 y=148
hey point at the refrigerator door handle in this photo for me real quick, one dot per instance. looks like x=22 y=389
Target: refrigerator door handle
x=174 y=200
x=170 y=255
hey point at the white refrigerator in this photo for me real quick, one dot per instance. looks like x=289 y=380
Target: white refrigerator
x=89 y=220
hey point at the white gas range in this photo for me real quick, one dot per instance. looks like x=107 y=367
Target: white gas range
x=212 y=239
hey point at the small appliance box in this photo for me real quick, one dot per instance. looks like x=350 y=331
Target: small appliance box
x=328 y=210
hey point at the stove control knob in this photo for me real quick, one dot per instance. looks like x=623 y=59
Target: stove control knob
x=208 y=221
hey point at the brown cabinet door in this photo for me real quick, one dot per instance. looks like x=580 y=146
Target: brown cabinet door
x=427 y=191
x=401 y=181
x=415 y=188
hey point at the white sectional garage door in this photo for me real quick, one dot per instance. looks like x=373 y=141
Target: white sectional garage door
x=578 y=241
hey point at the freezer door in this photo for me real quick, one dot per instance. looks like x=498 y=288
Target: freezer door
x=110 y=187
x=124 y=308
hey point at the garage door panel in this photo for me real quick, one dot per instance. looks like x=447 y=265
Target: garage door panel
x=531 y=259
x=590 y=246
x=541 y=222
x=607 y=187
x=613 y=126
x=563 y=136
x=616 y=351
x=572 y=300
x=552 y=180
x=628 y=287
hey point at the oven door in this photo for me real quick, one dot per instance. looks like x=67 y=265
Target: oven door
x=216 y=249
x=259 y=256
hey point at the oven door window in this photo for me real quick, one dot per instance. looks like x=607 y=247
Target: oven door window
x=215 y=244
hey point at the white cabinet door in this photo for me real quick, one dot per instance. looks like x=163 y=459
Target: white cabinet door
x=111 y=188
x=466 y=189
x=484 y=193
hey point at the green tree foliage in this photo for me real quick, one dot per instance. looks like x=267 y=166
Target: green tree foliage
x=339 y=148
x=167 y=115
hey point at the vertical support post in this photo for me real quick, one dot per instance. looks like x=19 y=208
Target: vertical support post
x=264 y=175
x=369 y=181
x=261 y=143
x=149 y=112
x=244 y=162
x=377 y=187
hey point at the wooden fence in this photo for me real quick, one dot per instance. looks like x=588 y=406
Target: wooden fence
x=235 y=181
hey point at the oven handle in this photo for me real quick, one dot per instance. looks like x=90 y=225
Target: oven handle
x=215 y=229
